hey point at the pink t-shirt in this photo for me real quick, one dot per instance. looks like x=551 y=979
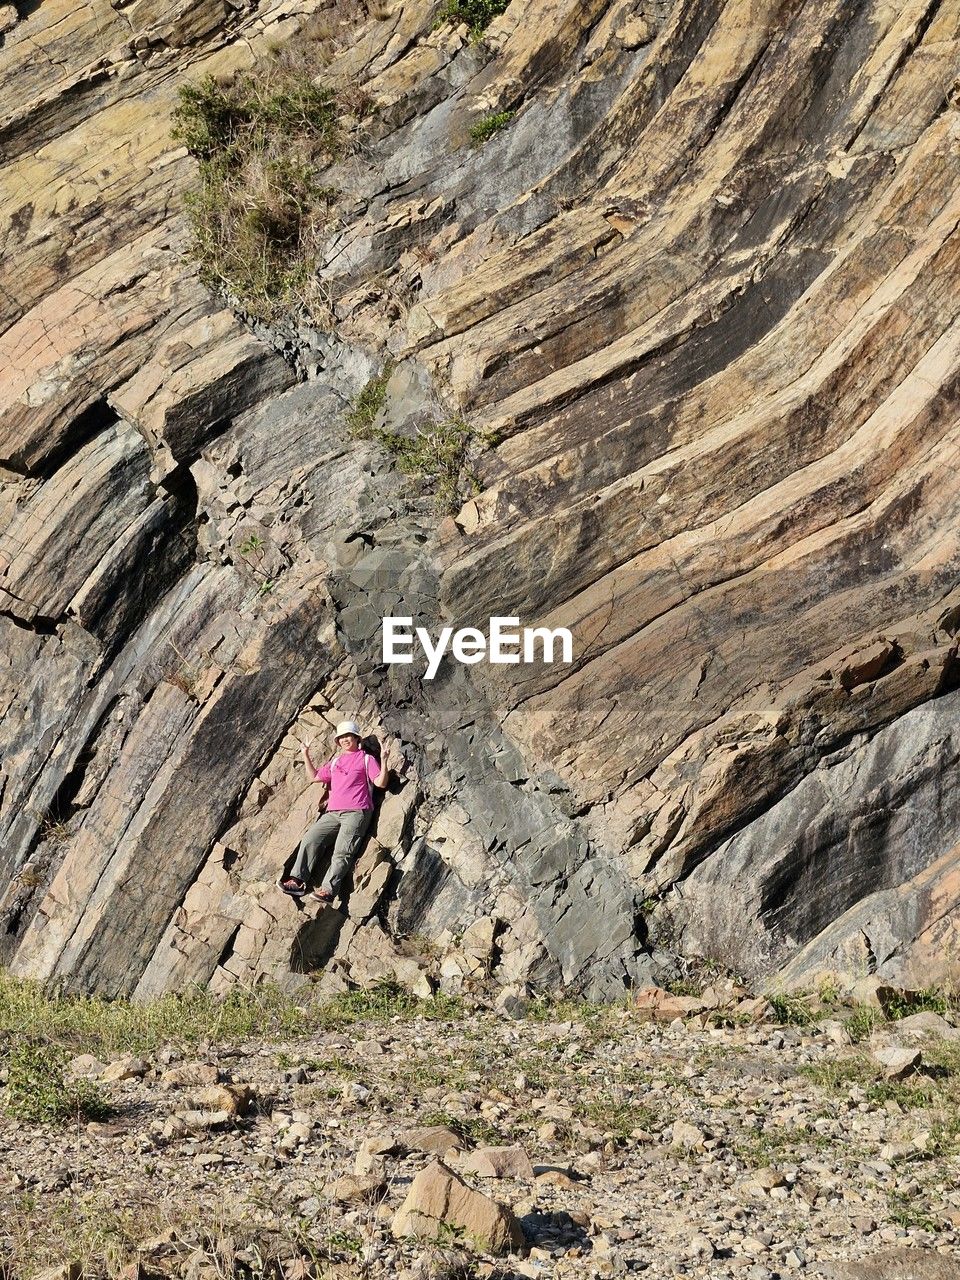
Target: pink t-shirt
x=349 y=789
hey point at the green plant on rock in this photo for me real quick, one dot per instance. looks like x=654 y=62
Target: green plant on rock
x=435 y=458
x=903 y=1004
x=477 y=14
x=341 y=1242
x=38 y=1091
x=792 y=1009
x=862 y=1021
x=368 y=404
x=484 y=129
x=472 y=1129
x=911 y=1211
x=259 y=204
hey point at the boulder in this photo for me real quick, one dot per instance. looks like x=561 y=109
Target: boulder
x=927 y=1023
x=435 y=1139
x=898 y=1264
x=897 y=1062
x=125 y=1068
x=356 y=1189
x=499 y=1162
x=191 y=1074
x=234 y=1099
x=687 y=1136
x=656 y=1004
x=439 y=1203
x=86 y=1067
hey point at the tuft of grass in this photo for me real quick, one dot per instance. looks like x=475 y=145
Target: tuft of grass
x=840 y=1073
x=259 y=204
x=90 y=1236
x=792 y=1009
x=471 y=1129
x=382 y=1002
x=934 y=1092
x=38 y=1092
x=368 y=404
x=95 y=1025
x=862 y=1021
x=770 y=1146
x=92 y=1024
x=911 y=1211
x=484 y=129
x=477 y=14
x=434 y=458
x=617 y=1115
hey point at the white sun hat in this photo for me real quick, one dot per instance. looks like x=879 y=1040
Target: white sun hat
x=345 y=727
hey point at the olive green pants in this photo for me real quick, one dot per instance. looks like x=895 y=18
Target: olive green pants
x=347 y=828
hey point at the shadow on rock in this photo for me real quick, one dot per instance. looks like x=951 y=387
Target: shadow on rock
x=316 y=940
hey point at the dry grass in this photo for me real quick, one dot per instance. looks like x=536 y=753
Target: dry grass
x=262 y=140
x=214 y=1240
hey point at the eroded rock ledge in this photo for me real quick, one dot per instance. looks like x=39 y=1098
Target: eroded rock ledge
x=699 y=297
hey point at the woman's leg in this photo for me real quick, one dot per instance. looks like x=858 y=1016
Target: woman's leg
x=312 y=844
x=353 y=828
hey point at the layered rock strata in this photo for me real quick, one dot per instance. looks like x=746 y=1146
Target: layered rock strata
x=697 y=303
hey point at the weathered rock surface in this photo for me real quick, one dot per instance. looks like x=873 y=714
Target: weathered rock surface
x=699 y=303
x=899 y=1264
x=500 y=1162
x=439 y=1203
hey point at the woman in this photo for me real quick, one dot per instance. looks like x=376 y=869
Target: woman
x=348 y=780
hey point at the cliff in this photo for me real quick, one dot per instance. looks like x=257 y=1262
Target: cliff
x=671 y=294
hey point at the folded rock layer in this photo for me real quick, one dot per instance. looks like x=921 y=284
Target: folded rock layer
x=690 y=295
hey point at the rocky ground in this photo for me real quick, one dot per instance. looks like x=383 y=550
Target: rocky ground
x=740 y=1140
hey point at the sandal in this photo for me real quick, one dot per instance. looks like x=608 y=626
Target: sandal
x=322 y=895
x=296 y=888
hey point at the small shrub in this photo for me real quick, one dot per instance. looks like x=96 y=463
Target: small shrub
x=38 y=1092
x=343 y=1243
x=473 y=1129
x=829 y=994
x=904 y=1003
x=477 y=14
x=435 y=457
x=484 y=129
x=259 y=204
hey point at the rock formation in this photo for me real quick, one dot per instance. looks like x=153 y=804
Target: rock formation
x=693 y=297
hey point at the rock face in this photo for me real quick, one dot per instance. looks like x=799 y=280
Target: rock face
x=697 y=303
